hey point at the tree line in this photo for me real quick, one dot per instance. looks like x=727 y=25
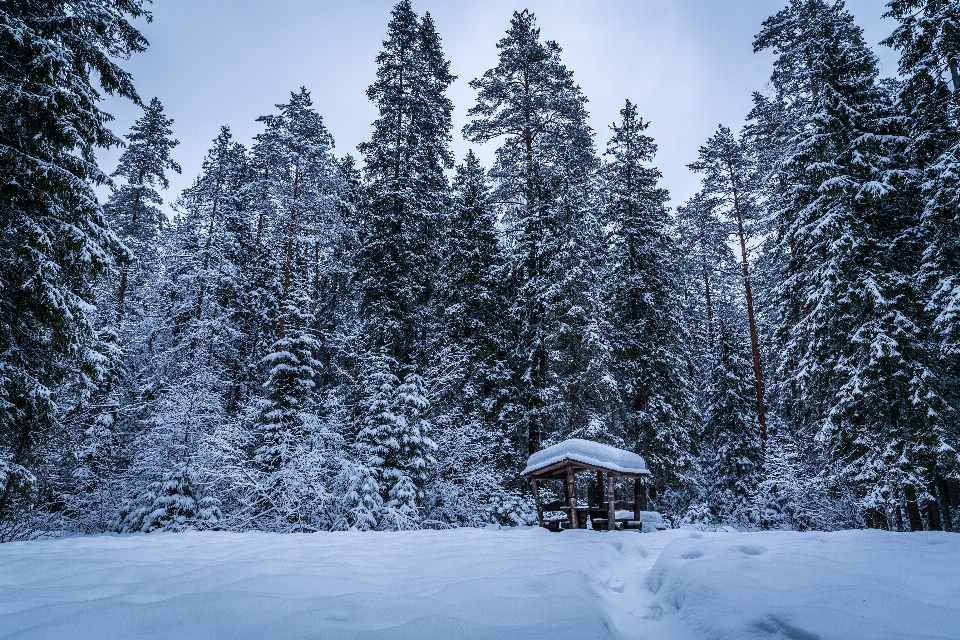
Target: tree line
x=322 y=342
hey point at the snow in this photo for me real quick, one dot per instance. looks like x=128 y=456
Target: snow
x=484 y=583
x=651 y=520
x=600 y=455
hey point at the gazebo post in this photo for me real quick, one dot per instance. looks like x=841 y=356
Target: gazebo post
x=637 y=488
x=611 y=505
x=599 y=489
x=572 y=492
x=536 y=500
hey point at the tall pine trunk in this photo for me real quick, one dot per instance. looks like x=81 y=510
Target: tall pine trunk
x=754 y=340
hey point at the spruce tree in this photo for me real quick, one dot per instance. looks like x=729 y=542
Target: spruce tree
x=928 y=40
x=472 y=257
x=53 y=237
x=288 y=390
x=131 y=210
x=857 y=347
x=545 y=166
x=297 y=206
x=733 y=460
x=172 y=504
x=394 y=448
x=406 y=188
x=645 y=300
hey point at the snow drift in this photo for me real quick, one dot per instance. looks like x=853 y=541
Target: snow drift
x=469 y=583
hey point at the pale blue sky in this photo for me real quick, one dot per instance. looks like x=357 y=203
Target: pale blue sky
x=688 y=64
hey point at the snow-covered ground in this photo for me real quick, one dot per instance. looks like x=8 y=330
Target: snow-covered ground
x=468 y=584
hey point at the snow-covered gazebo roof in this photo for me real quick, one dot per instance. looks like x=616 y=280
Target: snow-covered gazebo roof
x=588 y=455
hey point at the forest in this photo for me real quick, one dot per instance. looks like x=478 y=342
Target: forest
x=318 y=341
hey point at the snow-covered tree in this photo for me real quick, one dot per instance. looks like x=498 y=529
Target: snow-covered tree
x=727 y=168
x=406 y=188
x=643 y=273
x=472 y=410
x=170 y=505
x=732 y=456
x=393 y=445
x=132 y=210
x=856 y=348
x=54 y=241
x=544 y=169
x=288 y=391
x=124 y=306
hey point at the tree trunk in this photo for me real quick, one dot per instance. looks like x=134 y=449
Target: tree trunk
x=637 y=491
x=943 y=492
x=754 y=340
x=932 y=510
x=121 y=293
x=536 y=500
x=913 y=511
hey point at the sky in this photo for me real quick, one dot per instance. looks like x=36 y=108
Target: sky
x=688 y=65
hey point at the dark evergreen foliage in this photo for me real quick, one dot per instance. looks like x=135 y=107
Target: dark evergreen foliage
x=54 y=240
x=406 y=188
x=545 y=170
x=646 y=310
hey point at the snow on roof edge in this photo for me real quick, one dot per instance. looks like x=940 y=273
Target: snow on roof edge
x=587 y=452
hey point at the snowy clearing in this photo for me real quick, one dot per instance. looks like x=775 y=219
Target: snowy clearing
x=470 y=583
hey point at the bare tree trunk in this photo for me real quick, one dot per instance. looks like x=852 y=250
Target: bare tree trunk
x=754 y=340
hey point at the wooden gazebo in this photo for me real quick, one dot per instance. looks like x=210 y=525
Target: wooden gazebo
x=563 y=461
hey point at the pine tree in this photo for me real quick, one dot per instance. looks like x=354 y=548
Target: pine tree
x=726 y=166
x=301 y=192
x=646 y=309
x=703 y=241
x=297 y=207
x=53 y=240
x=546 y=165
x=209 y=247
x=406 y=190
x=132 y=211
